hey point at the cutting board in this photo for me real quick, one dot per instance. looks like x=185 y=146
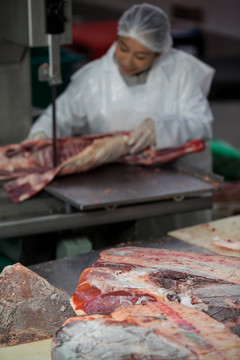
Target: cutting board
x=37 y=350
x=202 y=235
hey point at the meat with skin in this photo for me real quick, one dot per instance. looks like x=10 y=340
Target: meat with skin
x=163 y=156
x=154 y=331
x=31 y=309
x=32 y=165
x=37 y=155
x=89 y=155
x=133 y=275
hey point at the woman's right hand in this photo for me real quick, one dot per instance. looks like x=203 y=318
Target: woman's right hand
x=143 y=136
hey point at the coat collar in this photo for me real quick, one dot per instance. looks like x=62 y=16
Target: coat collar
x=157 y=71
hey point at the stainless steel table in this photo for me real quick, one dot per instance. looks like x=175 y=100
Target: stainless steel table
x=83 y=200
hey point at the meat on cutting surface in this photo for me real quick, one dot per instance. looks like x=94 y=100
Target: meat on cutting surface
x=134 y=275
x=31 y=163
x=230 y=244
x=31 y=309
x=167 y=331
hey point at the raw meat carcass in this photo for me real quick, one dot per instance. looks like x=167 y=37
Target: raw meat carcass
x=31 y=309
x=32 y=165
x=167 y=331
x=134 y=275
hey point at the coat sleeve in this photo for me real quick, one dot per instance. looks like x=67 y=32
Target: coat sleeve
x=194 y=117
x=193 y=121
x=70 y=113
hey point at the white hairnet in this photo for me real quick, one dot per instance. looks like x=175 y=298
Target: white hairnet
x=148 y=25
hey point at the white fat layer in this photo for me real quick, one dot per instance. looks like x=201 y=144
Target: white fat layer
x=136 y=278
x=96 y=340
x=186 y=299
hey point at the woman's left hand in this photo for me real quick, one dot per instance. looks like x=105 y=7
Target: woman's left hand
x=143 y=136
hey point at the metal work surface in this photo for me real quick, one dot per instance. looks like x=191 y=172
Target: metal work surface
x=57 y=221
x=130 y=193
x=117 y=184
x=65 y=272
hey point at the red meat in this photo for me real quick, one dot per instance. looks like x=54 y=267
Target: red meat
x=32 y=165
x=31 y=309
x=134 y=275
x=154 y=331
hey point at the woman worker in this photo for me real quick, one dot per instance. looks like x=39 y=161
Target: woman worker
x=141 y=84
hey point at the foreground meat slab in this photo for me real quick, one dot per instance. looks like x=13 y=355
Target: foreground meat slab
x=30 y=308
x=154 y=331
x=134 y=275
x=31 y=163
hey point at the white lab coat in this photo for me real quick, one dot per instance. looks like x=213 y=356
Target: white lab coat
x=99 y=100
x=174 y=95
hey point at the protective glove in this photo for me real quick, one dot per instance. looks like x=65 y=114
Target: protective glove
x=37 y=136
x=143 y=136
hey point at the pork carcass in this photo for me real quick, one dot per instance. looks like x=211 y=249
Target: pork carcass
x=31 y=163
x=135 y=275
x=31 y=309
x=167 y=331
